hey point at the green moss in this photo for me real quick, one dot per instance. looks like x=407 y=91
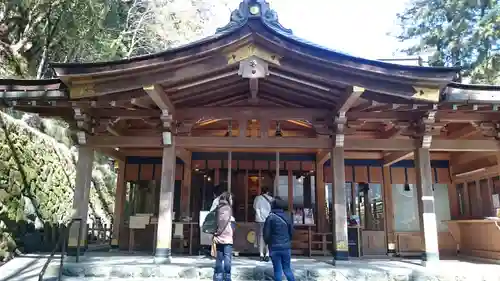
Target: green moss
x=37 y=169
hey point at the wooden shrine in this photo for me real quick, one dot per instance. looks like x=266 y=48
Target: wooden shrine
x=253 y=103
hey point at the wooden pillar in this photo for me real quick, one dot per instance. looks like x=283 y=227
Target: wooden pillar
x=81 y=199
x=452 y=195
x=389 y=212
x=339 y=211
x=426 y=208
x=216 y=176
x=277 y=177
x=119 y=204
x=229 y=170
x=186 y=186
x=167 y=187
x=320 y=196
x=290 y=191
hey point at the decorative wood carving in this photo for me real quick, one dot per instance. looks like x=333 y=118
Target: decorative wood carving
x=490 y=129
x=249 y=53
x=82 y=89
x=253 y=67
x=253 y=9
x=427 y=94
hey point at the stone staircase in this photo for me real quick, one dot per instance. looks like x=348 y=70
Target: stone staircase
x=198 y=268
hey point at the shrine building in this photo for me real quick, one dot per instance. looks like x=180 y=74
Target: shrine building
x=374 y=158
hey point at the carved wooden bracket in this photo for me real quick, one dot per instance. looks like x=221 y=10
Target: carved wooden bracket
x=186 y=127
x=426 y=128
x=321 y=127
x=394 y=128
x=85 y=125
x=490 y=129
x=167 y=120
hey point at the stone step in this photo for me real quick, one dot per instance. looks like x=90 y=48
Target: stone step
x=172 y=272
x=318 y=272
x=101 y=267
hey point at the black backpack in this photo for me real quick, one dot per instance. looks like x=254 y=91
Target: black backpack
x=210 y=224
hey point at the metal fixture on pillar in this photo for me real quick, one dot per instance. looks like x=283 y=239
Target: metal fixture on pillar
x=229 y=132
x=407 y=185
x=278 y=133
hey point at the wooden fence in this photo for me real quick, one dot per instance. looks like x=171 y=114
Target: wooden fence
x=45 y=239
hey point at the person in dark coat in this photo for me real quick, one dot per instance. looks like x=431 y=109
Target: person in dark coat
x=278 y=231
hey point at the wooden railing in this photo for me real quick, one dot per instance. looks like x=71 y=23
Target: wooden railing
x=99 y=234
x=63 y=238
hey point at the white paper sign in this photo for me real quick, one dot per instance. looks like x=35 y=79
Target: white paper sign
x=495 y=200
x=138 y=222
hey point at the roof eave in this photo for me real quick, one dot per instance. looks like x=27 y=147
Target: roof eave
x=472 y=93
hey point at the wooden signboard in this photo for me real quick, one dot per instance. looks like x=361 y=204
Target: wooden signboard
x=139 y=221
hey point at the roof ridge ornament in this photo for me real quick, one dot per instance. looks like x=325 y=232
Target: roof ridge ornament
x=254 y=9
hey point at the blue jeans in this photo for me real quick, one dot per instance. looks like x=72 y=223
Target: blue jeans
x=222 y=270
x=281 y=263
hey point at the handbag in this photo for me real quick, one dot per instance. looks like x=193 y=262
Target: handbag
x=213 y=248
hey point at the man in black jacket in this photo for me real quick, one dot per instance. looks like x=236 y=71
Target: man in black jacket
x=278 y=231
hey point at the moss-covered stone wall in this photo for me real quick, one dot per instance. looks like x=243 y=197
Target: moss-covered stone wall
x=37 y=183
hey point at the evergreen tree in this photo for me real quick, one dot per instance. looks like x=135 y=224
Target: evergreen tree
x=462 y=33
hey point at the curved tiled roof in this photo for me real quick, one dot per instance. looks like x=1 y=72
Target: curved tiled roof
x=259 y=11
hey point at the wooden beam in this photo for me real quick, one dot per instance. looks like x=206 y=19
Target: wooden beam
x=102 y=113
x=351 y=99
x=463 y=133
x=287 y=143
x=160 y=97
x=110 y=152
x=464 y=158
x=441 y=116
x=322 y=157
x=112 y=130
x=221 y=133
x=279 y=113
x=440 y=156
x=113 y=127
x=183 y=154
x=155 y=152
x=397 y=128
x=392 y=132
x=485 y=172
x=239 y=113
x=395 y=157
x=143 y=102
x=296 y=143
x=465 y=145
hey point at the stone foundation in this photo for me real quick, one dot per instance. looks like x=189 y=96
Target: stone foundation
x=243 y=269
